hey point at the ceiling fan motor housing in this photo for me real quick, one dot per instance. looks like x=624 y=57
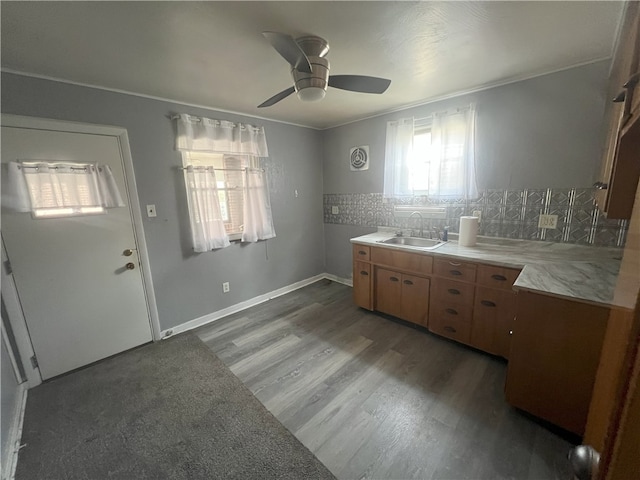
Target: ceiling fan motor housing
x=312 y=87
x=317 y=79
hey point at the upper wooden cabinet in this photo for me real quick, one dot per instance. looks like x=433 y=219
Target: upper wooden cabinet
x=620 y=169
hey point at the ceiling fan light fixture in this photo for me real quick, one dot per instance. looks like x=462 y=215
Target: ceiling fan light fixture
x=311 y=94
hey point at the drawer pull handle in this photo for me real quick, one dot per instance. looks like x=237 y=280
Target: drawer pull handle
x=500 y=278
x=450 y=329
x=364 y=272
x=451 y=311
x=487 y=303
x=455 y=272
x=454 y=291
x=361 y=252
x=408 y=282
x=454 y=264
x=394 y=279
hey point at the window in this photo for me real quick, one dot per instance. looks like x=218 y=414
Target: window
x=432 y=156
x=63 y=189
x=229 y=173
x=227 y=191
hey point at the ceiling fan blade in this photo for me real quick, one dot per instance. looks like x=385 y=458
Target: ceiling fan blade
x=277 y=97
x=286 y=46
x=359 y=83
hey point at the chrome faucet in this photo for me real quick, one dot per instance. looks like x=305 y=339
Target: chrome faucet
x=421 y=222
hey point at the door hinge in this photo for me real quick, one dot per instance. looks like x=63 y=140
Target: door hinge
x=7 y=267
x=34 y=362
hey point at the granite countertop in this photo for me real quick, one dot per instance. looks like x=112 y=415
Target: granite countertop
x=575 y=272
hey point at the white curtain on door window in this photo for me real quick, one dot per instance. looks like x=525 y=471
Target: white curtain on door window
x=108 y=187
x=75 y=187
x=207 y=225
x=452 y=163
x=200 y=134
x=397 y=150
x=258 y=222
x=15 y=193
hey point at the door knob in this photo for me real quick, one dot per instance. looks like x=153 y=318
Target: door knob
x=128 y=252
x=130 y=266
x=584 y=461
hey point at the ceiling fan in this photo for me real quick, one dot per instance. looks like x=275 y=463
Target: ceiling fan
x=310 y=70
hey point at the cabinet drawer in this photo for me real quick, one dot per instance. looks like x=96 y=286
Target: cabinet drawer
x=450 y=326
x=496 y=277
x=412 y=262
x=361 y=253
x=450 y=311
x=455 y=270
x=452 y=292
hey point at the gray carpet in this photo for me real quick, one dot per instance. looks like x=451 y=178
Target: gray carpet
x=170 y=410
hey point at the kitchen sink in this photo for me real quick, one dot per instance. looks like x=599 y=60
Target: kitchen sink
x=416 y=242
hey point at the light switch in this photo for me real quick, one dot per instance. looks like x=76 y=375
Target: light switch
x=335 y=210
x=151 y=211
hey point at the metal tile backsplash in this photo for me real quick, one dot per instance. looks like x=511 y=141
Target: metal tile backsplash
x=505 y=213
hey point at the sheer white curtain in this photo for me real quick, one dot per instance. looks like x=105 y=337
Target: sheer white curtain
x=207 y=225
x=397 y=150
x=258 y=223
x=452 y=163
x=200 y=134
x=207 y=135
x=60 y=189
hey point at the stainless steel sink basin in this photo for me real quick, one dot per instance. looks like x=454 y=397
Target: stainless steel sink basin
x=416 y=242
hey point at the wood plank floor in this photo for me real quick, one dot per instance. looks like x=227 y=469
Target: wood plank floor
x=377 y=398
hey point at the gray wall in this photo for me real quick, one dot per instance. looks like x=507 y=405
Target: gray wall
x=10 y=400
x=546 y=132
x=188 y=286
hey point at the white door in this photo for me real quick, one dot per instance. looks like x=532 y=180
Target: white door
x=80 y=302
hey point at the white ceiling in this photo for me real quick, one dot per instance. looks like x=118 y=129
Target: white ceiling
x=212 y=53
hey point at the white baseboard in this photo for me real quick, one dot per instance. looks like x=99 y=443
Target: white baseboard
x=238 y=307
x=15 y=435
x=344 y=281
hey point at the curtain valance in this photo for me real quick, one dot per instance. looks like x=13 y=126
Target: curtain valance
x=200 y=134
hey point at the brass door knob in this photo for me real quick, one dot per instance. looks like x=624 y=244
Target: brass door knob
x=130 y=266
x=128 y=252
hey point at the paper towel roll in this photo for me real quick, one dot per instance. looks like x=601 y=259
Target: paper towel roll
x=468 y=231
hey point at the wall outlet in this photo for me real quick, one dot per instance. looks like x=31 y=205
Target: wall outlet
x=548 y=221
x=335 y=210
x=225 y=287
x=477 y=213
x=151 y=211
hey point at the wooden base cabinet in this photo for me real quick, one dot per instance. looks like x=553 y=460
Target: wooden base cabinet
x=493 y=314
x=401 y=295
x=362 y=280
x=554 y=356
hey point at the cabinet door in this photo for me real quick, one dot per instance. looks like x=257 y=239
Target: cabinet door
x=617 y=179
x=493 y=314
x=415 y=299
x=555 y=350
x=362 y=285
x=388 y=292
